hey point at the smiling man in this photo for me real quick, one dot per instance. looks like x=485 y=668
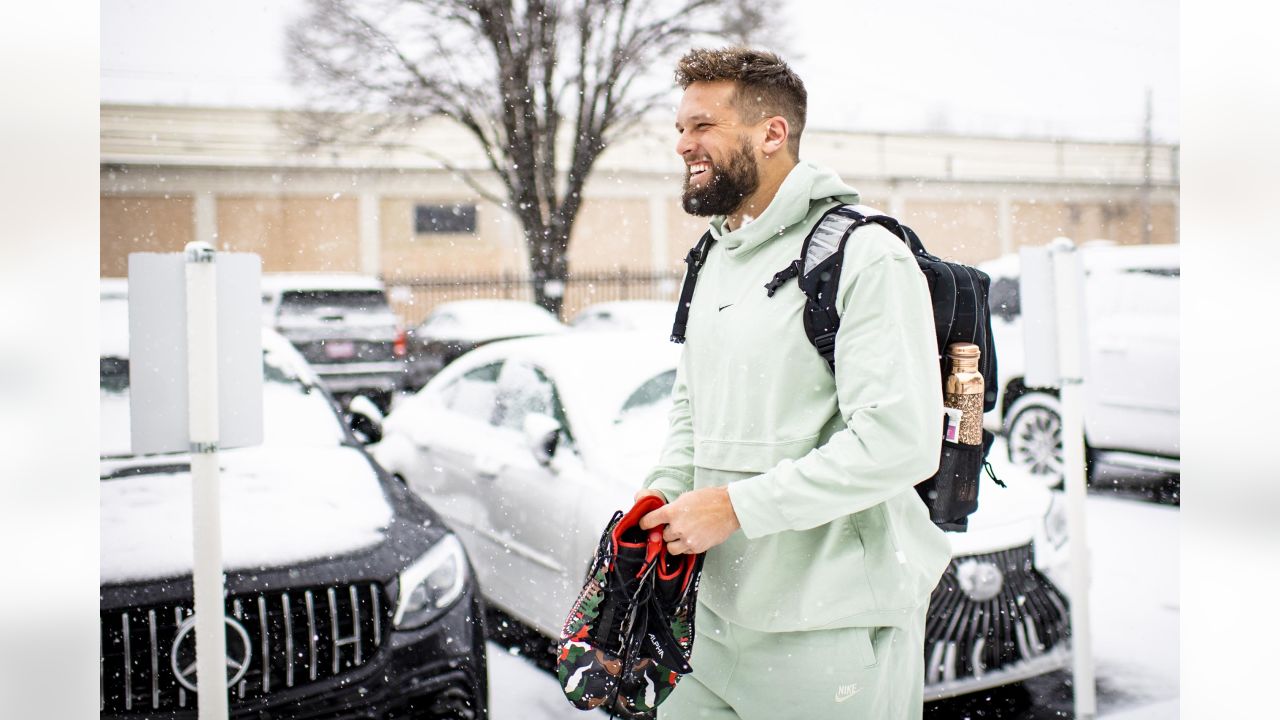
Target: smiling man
x=797 y=484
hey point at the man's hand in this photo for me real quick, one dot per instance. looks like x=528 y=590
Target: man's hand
x=697 y=521
x=646 y=492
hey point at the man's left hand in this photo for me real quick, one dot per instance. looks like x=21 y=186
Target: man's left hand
x=697 y=521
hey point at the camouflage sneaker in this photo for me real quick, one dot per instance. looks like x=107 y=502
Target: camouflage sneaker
x=662 y=656
x=595 y=635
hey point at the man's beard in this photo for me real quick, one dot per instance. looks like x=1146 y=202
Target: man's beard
x=727 y=188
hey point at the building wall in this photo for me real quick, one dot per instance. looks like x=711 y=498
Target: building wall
x=313 y=233
x=611 y=233
x=142 y=223
x=1036 y=223
x=172 y=175
x=965 y=231
x=407 y=254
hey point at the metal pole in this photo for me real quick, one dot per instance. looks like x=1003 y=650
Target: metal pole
x=1067 y=288
x=202 y=393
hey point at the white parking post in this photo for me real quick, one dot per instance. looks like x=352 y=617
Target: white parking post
x=1068 y=280
x=202 y=393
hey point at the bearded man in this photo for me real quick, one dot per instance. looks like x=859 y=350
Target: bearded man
x=798 y=486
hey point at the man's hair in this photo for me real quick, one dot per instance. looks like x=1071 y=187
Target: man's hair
x=766 y=86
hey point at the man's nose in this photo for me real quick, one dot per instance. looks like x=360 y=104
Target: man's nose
x=684 y=145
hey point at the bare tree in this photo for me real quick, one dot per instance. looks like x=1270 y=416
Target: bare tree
x=514 y=74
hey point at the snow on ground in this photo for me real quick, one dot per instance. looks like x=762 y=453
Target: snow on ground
x=1135 y=604
x=520 y=691
x=1135 y=609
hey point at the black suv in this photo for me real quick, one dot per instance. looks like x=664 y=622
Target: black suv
x=347 y=596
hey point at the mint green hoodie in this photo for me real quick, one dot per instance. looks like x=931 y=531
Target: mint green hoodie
x=820 y=472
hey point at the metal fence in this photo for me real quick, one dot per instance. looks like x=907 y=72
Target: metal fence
x=413 y=298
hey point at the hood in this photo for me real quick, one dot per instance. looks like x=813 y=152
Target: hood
x=1007 y=516
x=280 y=506
x=805 y=185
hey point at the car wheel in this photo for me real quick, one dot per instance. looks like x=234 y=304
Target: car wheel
x=1033 y=431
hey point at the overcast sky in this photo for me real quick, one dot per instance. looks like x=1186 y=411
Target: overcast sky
x=1007 y=67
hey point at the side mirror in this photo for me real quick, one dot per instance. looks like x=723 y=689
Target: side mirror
x=542 y=433
x=365 y=419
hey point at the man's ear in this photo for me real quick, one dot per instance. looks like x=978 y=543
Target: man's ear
x=776 y=132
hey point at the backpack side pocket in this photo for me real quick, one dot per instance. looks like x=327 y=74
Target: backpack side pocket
x=952 y=493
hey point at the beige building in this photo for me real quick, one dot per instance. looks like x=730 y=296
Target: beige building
x=242 y=180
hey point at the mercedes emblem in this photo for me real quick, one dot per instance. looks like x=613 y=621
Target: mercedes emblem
x=182 y=658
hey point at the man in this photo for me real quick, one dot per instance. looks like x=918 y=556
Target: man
x=798 y=486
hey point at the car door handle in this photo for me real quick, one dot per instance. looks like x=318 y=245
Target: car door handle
x=488 y=467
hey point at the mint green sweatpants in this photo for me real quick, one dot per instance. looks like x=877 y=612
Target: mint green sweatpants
x=876 y=673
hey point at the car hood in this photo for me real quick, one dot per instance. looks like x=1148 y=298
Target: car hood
x=280 y=506
x=1006 y=516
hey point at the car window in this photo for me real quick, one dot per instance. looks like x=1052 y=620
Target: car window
x=654 y=390
x=475 y=393
x=333 y=302
x=524 y=389
x=1149 y=294
x=1005 y=300
x=439 y=320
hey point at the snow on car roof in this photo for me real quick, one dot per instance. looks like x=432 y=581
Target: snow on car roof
x=488 y=319
x=114 y=287
x=113 y=330
x=1098 y=257
x=595 y=372
x=113 y=321
x=628 y=308
x=627 y=315
x=280 y=282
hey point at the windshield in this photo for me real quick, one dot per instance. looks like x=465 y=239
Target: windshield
x=333 y=302
x=294 y=410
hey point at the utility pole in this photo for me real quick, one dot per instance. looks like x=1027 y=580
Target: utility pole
x=1146 y=173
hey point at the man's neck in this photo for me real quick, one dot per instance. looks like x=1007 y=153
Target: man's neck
x=757 y=201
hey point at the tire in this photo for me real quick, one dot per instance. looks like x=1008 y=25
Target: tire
x=1033 y=432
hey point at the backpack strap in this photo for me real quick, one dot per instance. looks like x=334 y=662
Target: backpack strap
x=696 y=258
x=818 y=270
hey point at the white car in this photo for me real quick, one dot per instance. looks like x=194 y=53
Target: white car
x=1131 y=384
x=527 y=447
x=454 y=328
x=652 y=317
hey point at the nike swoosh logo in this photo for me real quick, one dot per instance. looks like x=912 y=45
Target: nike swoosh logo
x=725 y=306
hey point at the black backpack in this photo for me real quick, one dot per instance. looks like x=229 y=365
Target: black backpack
x=960 y=314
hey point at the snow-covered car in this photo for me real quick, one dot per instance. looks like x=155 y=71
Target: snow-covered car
x=346 y=595
x=527 y=447
x=1131 y=391
x=342 y=324
x=454 y=328
x=652 y=317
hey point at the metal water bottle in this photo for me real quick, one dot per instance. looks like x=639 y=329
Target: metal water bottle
x=963 y=392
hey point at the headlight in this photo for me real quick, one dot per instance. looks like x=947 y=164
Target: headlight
x=1055 y=520
x=431 y=584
